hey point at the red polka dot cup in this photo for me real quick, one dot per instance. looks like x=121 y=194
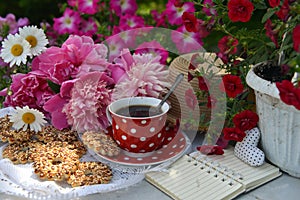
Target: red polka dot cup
x=134 y=132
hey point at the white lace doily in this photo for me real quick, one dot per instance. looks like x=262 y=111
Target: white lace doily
x=21 y=180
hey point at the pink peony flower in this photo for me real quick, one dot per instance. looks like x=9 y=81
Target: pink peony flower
x=155 y=48
x=90 y=96
x=68 y=23
x=85 y=55
x=122 y=64
x=88 y=6
x=186 y=42
x=174 y=13
x=55 y=105
x=146 y=77
x=121 y=7
x=78 y=55
x=28 y=89
x=53 y=65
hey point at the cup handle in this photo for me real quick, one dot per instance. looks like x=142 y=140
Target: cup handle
x=108 y=115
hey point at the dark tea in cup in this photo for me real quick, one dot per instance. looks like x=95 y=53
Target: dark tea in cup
x=139 y=111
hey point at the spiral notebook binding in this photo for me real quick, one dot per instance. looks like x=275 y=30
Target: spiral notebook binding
x=214 y=165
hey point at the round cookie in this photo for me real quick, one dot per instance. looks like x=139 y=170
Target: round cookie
x=90 y=173
x=55 y=163
x=20 y=153
x=50 y=133
x=77 y=146
x=51 y=136
x=7 y=134
x=5 y=124
x=100 y=143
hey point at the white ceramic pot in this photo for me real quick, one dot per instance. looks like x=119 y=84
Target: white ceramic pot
x=279 y=124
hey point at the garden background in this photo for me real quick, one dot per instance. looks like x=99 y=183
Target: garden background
x=37 y=11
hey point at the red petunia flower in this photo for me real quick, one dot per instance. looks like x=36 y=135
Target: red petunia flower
x=296 y=38
x=178 y=3
x=245 y=120
x=232 y=85
x=202 y=83
x=284 y=10
x=274 y=3
x=234 y=134
x=190 y=77
x=189 y=21
x=288 y=93
x=210 y=150
x=270 y=32
x=228 y=45
x=240 y=10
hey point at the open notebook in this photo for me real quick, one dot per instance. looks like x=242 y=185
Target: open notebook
x=198 y=176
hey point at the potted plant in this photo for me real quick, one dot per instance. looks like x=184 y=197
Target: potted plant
x=259 y=41
x=277 y=93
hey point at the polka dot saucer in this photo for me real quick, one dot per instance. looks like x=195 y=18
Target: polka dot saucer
x=175 y=144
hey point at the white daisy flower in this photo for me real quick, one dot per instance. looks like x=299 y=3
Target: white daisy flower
x=36 y=38
x=27 y=117
x=15 y=50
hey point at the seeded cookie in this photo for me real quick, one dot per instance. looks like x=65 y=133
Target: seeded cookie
x=100 y=143
x=55 y=163
x=7 y=134
x=90 y=173
x=20 y=153
x=50 y=133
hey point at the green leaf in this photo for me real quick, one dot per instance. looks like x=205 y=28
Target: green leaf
x=54 y=87
x=269 y=14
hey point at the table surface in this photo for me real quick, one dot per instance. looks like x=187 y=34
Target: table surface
x=284 y=187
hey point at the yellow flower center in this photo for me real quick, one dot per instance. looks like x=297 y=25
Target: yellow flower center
x=68 y=21
x=16 y=50
x=28 y=118
x=32 y=40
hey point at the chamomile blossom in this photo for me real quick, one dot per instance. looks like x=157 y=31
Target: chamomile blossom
x=15 y=50
x=27 y=118
x=36 y=38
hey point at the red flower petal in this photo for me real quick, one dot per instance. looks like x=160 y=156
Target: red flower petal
x=189 y=21
x=274 y=3
x=202 y=83
x=210 y=150
x=240 y=10
x=232 y=85
x=245 y=120
x=234 y=134
x=190 y=77
x=288 y=93
x=296 y=38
